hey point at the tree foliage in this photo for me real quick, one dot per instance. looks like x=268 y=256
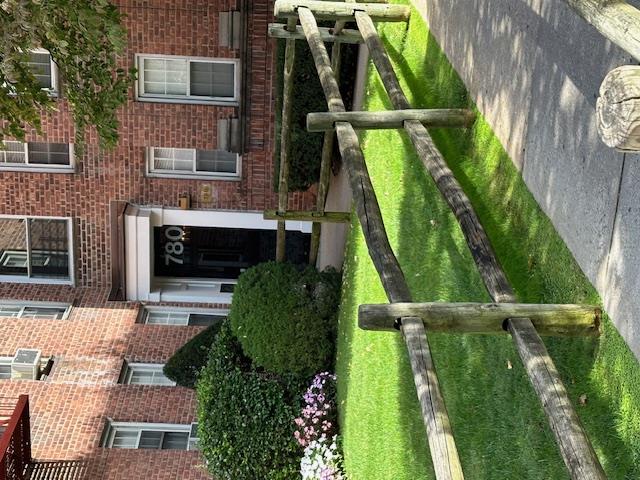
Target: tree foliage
x=84 y=38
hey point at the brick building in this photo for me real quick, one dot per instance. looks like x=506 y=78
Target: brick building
x=111 y=261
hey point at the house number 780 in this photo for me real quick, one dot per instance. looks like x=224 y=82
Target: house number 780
x=174 y=248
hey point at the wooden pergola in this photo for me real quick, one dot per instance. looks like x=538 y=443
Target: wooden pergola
x=523 y=322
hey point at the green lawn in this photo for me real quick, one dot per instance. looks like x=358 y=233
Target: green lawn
x=500 y=429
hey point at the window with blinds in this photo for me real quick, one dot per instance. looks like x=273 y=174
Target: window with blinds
x=189 y=162
x=165 y=77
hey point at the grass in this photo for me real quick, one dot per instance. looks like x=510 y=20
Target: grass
x=499 y=426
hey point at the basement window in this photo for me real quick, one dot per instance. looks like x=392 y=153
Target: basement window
x=150 y=436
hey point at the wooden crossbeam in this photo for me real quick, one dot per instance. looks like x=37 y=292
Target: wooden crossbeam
x=279 y=30
x=617 y=20
x=301 y=216
x=439 y=434
x=487 y=318
x=342 y=11
x=575 y=448
x=451 y=117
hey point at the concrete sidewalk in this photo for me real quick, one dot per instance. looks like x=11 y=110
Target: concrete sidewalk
x=534 y=69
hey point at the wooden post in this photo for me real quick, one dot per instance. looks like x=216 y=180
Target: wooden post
x=441 y=443
x=285 y=141
x=279 y=30
x=327 y=147
x=558 y=320
x=618 y=21
x=577 y=452
x=342 y=11
x=452 y=117
x=618 y=109
x=320 y=217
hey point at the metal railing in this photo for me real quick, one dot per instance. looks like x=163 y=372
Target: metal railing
x=15 y=437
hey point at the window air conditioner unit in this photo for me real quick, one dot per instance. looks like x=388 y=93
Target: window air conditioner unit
x=193 y=437
x=26 y=364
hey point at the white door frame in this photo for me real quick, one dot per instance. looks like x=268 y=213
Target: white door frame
x=141 y=285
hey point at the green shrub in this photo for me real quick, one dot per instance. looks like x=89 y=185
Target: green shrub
x=285 y=318
x=246 y=416
x=185 y=365
x=306 y=148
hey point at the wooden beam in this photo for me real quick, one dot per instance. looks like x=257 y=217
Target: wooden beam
x=279 y=30
x=285 y=141
x=320 y=217
x=440 y=436
x=451 y=117
x=325 y=162
x=342 y=11
x=618 y=21
x=577 y=452
x=560 y=320
x=618 y=109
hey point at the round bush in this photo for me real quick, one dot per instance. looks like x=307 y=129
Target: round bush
x=285 y=317
x=185 y=365
x=246 y=416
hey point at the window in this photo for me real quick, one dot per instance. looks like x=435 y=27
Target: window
x=145 y=374
x=155 y=436
x=189 y=163
x=41 y=156
x=177 y=316
x=5 y=368
x=36 y=249
x=44 y=69
x=34 y=310
x=187 y=79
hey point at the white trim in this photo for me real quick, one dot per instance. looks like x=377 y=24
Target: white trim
x=154 y=368
x=188 y=98
x=193 y=174
x=37 y=167
x=70 y=253
x=149 y=309
x=29 y=303
x=113 y=427
x=141 y=284
x=54 y=91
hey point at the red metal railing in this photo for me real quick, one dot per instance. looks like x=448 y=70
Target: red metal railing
x=15 y=437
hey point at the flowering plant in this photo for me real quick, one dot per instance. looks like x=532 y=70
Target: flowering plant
x=321 y=461
x=317 y=418
x=316 y=431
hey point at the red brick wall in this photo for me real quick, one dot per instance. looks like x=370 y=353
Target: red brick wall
x=69 y=409
x=161 y=27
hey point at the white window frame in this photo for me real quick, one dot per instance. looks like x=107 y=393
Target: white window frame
x=154 y=368
x=38 y=167
x=32 y=304
x=41 y=280
x=155 y=308
x=54 y=90
x=193 y=174
x=197 y=99
x=113 y=427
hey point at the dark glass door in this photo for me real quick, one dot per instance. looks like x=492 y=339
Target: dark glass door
x=213 y=252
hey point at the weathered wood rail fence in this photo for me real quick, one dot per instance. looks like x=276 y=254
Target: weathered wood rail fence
x=618 y=107
x=523 y=322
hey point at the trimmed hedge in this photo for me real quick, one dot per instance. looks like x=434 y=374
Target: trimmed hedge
x=306 y=148
x=285 y=318
x=246 y=416
x=185 y=365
